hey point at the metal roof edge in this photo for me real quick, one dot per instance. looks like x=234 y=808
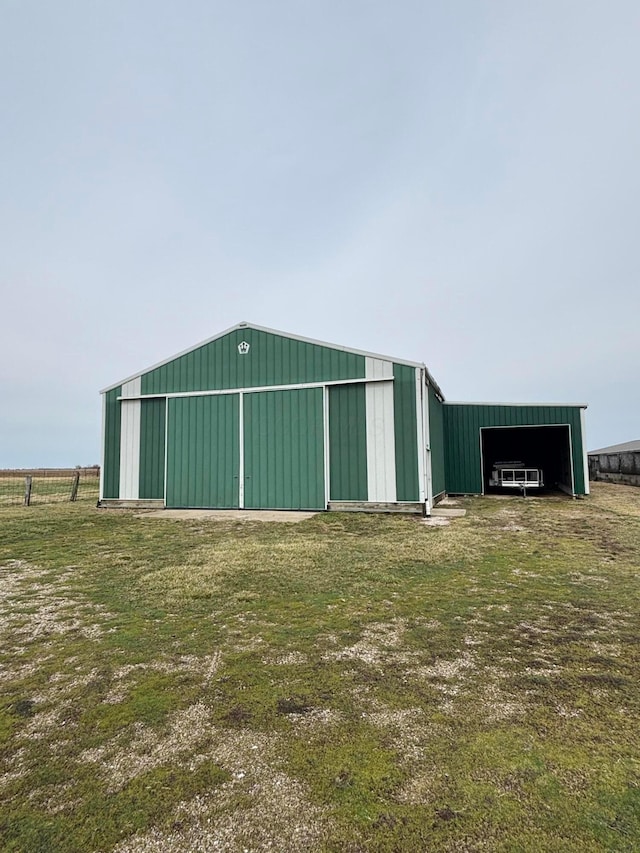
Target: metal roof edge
x=632 y=446
x=485 y=403
x=431 y=381
x=330 y=345
x=279 y=333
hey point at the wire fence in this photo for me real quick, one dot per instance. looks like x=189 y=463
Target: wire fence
x=48 y=485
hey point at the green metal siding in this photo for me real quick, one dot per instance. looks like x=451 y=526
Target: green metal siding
x=406 y=428
x=111 y=474
x=579 y=451
x=436 y=441
x=347 y=443
x=271 y=360
x=152 y=435
x=284 y=450
x=203 y=451
x=462 y=438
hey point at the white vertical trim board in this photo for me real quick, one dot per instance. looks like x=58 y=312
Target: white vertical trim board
x=585 y=458
x=130 y=441
x=327 y=460
x=381 y=457
x=420 y=438
x=166 y=447
x=104 y=440
x=426 y=442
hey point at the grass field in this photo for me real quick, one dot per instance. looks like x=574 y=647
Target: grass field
x=349 y=683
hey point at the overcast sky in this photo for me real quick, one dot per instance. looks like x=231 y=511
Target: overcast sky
x=455 y=183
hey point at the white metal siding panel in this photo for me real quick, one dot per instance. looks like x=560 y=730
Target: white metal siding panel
x=381 y=458
x=133 y=388
x=104 y=441
x=130 y=450
x=376 y=368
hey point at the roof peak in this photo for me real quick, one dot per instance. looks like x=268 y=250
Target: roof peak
x=244 y=324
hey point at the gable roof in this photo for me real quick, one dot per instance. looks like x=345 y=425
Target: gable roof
x=245 y=325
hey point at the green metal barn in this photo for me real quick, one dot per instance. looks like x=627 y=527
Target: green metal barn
x=259 y=419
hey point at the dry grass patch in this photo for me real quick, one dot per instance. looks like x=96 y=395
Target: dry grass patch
x=375 y=644
x=278 y=815
x=309 y=557
x=130 y=754
x=259 y=808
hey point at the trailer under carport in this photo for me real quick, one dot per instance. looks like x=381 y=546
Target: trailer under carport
x=547 y=448
x=545 y=436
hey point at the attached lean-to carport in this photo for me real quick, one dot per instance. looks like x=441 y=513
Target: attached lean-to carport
x=549 y=437
x=544 y=448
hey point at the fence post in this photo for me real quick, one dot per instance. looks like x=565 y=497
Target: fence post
x=28 y=480
x=74 y=486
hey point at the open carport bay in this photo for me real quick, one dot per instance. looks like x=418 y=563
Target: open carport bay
x=545 y=447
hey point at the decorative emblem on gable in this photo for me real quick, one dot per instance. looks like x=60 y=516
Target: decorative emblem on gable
x=243 y=348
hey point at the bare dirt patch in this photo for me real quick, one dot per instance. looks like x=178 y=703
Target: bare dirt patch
x=132 y=753
x=280 y=817
x=375 y=645
x=35 y=605
x=259 y=804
